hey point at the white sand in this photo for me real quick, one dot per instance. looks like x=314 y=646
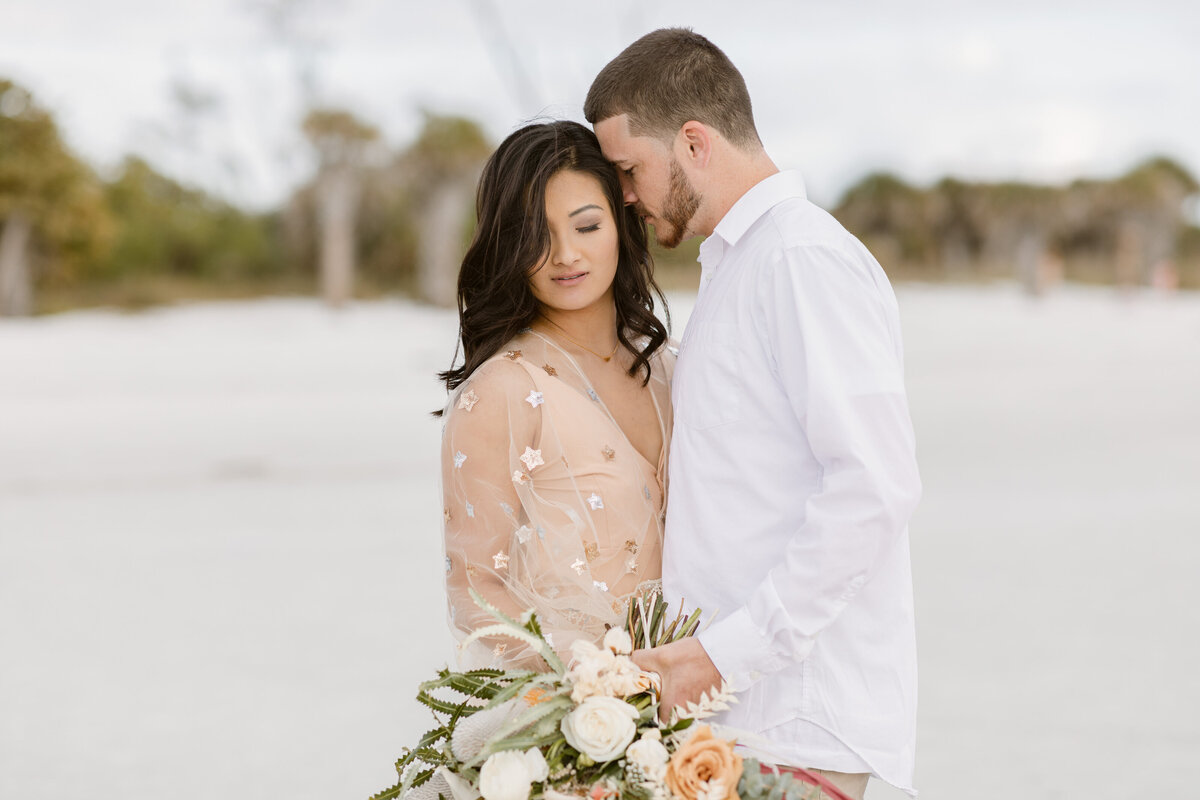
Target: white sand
x=220 y=569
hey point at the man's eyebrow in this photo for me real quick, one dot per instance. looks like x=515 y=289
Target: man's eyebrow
x=581 y=209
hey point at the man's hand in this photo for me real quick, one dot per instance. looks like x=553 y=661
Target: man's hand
x=686 y=670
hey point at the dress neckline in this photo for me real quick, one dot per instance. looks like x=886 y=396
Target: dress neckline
x=655 y=469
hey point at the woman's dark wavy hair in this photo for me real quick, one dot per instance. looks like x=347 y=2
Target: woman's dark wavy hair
x=495 y=301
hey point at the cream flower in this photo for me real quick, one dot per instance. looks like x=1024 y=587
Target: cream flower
x=600 y=728
x=599 y=671
x=507 y=775
x=617 y=640
x=650 y=755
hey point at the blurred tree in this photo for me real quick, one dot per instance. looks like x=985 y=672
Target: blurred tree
x=889 y=216
x=164 y=228
x=49 y=200
x=1152 y=197
x=442 y=168
x=342 y=143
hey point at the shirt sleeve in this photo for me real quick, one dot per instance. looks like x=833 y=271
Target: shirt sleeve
x=831 y=330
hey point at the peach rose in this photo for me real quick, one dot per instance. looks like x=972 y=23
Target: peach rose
x=703 y=764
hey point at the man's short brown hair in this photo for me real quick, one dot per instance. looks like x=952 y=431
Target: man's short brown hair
x=668 y=77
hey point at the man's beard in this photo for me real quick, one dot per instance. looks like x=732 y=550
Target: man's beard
x=679 y=206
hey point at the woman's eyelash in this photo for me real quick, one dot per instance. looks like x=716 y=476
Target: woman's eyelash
x=589 y=228
x=628 y=172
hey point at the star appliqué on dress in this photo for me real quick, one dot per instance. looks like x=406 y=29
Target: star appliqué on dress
x=532 y=458
x=595 y=501
x=578 y=565
x=470 y=511
x=609 y=453
x=520 y=478
x=551 y=371
x=601 y=585
x=523 y=533
x=459 y=458
x=535 y=399
x=513 y=355
x=500 y=560
x=468 y=400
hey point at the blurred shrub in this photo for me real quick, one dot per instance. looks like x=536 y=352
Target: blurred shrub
x=43 y=182
x=163 y=227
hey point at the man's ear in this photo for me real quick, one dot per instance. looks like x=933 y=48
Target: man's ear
x=694 y=144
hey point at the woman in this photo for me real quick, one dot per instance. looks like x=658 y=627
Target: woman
x=557 y=430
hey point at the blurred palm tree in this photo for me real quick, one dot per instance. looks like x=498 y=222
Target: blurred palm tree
x=342 y=143
x=441 y=169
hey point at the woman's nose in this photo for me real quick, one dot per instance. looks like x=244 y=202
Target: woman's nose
x=564 y=254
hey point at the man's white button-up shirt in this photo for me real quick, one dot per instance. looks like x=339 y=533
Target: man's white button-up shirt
x=792 y=477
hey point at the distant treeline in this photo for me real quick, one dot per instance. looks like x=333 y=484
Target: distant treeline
x=398 y=221
x=1129 y=230
x=70 y=237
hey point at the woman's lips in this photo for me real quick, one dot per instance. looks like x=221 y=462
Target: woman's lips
x=571 y=279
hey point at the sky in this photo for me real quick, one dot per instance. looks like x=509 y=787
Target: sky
x=1020 y=90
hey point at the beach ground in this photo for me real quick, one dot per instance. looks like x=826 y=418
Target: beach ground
x=220 y=566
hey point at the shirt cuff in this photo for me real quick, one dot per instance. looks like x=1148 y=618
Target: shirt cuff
x=741 y=652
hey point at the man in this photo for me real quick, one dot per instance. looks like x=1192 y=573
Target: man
x=793 y=473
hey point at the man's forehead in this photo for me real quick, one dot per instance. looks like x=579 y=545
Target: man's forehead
x=616 y=141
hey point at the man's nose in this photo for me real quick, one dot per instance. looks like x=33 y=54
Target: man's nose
x=627 y=193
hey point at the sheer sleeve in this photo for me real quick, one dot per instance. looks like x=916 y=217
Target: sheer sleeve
x=483 y=511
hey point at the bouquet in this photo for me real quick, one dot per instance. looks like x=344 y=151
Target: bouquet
x=589 y=729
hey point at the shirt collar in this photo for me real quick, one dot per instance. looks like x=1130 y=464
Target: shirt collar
x=748 y=209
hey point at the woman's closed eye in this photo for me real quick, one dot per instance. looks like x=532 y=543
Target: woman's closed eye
x=589 y=228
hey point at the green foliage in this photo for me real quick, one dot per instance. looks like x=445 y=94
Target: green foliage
x=42 y=179
x=448 y=144
x=163 y=227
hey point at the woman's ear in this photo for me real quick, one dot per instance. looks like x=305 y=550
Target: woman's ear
x=694 y=144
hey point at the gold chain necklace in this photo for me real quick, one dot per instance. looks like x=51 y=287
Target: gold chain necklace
x=572 y=339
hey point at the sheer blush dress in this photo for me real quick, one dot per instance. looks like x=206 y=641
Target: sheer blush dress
x=547 y=504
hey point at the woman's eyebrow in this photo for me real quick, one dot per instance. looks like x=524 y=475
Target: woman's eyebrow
x=581 y=209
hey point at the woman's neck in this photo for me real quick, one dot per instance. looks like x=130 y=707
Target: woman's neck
x=593 y=329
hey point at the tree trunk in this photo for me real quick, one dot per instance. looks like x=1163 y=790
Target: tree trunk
x=16 y=279
x=1031 y=258
x=336 y=204
x=440 y=247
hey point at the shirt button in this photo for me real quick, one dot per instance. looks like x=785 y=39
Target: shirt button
x=755 y=674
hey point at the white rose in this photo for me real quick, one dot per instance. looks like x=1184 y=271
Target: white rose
x=618 y=641
x=600 y=728
x=539 y=770
x=508 y=774
x=649 y=754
